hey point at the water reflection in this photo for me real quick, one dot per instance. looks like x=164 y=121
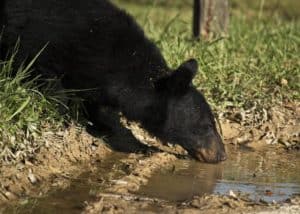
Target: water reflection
x=72 y=199
x=266 y=175
x=181 y=184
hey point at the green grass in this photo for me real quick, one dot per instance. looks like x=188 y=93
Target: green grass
x=25 y=111
x=257 y=63
x=288 y=9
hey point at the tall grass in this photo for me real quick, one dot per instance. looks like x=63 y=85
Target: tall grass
x=24 y=111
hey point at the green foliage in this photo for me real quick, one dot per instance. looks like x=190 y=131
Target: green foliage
x=24 y=111
x=287 y=9
x=257 y=63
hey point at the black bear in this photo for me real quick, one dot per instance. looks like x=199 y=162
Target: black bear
x=93 y=44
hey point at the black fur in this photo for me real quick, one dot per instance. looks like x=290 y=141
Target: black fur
x=94 y=44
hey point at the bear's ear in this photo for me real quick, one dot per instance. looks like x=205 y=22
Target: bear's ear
x=179 y=80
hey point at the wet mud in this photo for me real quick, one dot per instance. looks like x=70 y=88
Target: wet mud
x=122 y=175
x=81 y=189
x=247 y=181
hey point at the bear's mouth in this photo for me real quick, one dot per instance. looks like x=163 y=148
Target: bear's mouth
x=213 y=153
x=209 y=155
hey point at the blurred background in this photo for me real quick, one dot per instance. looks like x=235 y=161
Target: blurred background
x=258 y=60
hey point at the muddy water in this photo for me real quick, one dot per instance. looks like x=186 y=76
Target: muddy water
x=82 y=189
x=268 y=176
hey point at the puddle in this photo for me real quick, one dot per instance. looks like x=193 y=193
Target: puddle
x=263 y=175
x=72 y=200
x=267 y=176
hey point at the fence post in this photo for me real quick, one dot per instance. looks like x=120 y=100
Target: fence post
x=210 y=18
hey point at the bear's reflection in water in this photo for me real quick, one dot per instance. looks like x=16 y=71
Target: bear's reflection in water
x=188 y=179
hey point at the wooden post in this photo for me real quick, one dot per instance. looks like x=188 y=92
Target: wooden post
x=196 y=18
x=210 y=18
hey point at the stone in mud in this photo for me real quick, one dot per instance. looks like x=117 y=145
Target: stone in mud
x=96 y=46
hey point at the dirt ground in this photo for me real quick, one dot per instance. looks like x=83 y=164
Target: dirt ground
x=58 y=163
x=54 y=165
x=206 y=204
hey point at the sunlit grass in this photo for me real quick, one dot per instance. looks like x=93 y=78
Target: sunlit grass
x=257 y=63
x=24 y=110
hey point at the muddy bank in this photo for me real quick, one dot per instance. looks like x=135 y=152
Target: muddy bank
x=65 y=156
x=78 y=172
x=274 y=132
x=247 y=182
x=160 y=182
x=207 y=204
x=258 y=127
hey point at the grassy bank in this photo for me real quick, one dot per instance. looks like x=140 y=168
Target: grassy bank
x=257 y=64
x=26 y=109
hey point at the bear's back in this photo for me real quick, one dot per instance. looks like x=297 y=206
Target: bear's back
x=88 y=39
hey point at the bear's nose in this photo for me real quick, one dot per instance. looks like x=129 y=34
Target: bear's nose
x=222 y=156
x=213 y=152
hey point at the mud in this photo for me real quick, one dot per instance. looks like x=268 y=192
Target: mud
x=258 y=127
x=65 y=156
x=80 y=174
x=132 y=183
x=204 y=204
x=72 y=198
x=120 y=174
